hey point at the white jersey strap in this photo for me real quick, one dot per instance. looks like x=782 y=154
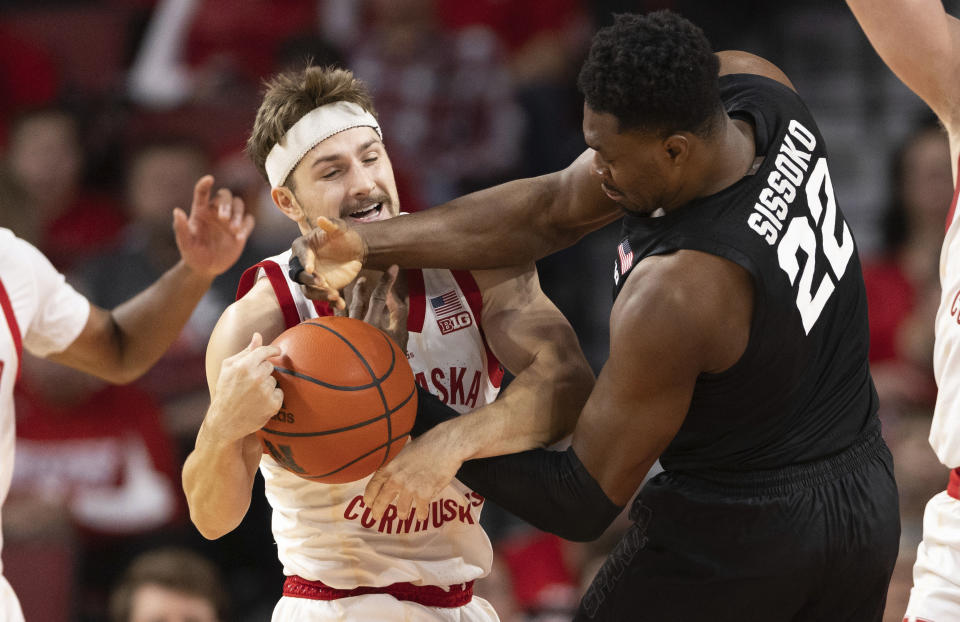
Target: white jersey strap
x=7 y=308
x=281 y=288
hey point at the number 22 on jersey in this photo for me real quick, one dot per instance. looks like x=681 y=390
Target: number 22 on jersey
x=802 y=236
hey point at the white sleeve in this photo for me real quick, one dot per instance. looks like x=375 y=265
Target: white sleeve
x=61 y=312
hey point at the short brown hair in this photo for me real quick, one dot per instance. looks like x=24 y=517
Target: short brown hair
x=292 y=94
x=176 y=569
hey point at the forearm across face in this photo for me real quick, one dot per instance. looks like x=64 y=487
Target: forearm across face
x=511 y=224
x=486 y=229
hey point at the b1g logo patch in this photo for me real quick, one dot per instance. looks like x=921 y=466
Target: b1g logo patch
x=450 y=312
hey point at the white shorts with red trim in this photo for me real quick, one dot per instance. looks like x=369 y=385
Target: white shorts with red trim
x=935 y=596
x=378 y=608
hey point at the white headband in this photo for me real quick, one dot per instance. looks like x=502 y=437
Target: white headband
x=313 y=128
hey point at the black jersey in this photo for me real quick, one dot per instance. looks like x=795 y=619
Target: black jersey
x=802 y=389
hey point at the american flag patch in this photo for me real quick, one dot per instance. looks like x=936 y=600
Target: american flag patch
x=626 y=256
x=450 y=313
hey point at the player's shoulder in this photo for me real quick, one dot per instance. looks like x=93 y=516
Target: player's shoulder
x=739 y=62
x=25 y=269
x=17 y=251
x=688 y=302
x=256 y=311
x=686 y=286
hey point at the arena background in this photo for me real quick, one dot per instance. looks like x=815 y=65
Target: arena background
x=110 y=109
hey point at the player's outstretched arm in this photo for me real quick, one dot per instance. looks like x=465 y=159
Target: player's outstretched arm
x=507 y=225
x=921 y=45
x=533 y=340
x=122 y=344
x=218 y=474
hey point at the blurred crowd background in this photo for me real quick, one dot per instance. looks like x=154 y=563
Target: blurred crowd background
x=111 y=109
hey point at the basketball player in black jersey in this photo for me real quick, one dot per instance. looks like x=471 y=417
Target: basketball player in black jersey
x=738 y=351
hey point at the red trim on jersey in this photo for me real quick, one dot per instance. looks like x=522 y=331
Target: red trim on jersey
x=953 y=486
x=322 y=308
x=7 y=307
x=956 y=192
x=475 y=299
x=418 y=301
x=426 y=595
x=291 y=317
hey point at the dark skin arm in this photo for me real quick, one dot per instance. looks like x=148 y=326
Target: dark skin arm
x=511 y=224
x=678 y=316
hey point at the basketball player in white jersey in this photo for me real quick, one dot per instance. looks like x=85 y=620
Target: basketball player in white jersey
x=318 y=142
x=41 y=313
x=920 y=42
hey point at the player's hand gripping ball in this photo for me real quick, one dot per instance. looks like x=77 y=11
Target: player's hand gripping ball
x=349 y=400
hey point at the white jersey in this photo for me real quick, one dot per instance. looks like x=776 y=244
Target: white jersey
x=945 y=429
x=324 y=532
x=41 y=313
x=935 y=595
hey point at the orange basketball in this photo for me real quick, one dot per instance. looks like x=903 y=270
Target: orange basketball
x=349 y=400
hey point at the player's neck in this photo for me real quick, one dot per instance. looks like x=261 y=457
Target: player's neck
x=731 y=156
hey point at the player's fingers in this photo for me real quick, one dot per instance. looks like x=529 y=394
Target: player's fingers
x=405 y=501
x=265 y=369
x=395 y=305
x=236 y=214
x=328 y=225
x=305 y=277
x=201 y=192
x=276 y=399
x=223 y=199
x=262 y=353
x=423 y=509
x=265 y=386
x=255 y=342
x=373 y=488
x=358 y=298
x=378 y=298
x=181 y=224
x=314 y=290
x=386 y=495
x=302 y=249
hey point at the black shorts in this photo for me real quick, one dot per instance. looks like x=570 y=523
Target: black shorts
x=811 y=542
